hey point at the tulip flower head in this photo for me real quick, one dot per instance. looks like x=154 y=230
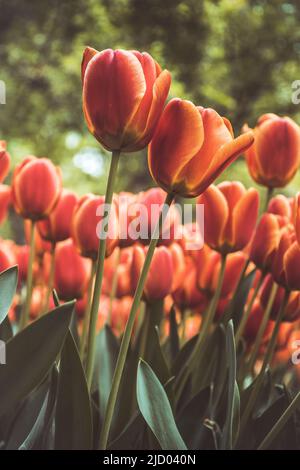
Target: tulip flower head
x=230 y=213
x=124 y=93
x=36 y=187
x=274 y=157
x=191 y=147
x=57 y=226
x=265 y=241
x=4 y=161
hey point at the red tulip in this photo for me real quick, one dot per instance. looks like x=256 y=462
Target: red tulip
x=274 y=157
x=124 y=93
x=57 y=226
x=7 y=255
x=71 y=271
x=4 y=161
x=160 y=276
x=87 y=221
x=5 y=200
x=118 y=264
x=188 y=295
x=191 y=147
x=178 y=266
x=282 y=207
x=36 y=187
x=265 y=241
x=230 y=213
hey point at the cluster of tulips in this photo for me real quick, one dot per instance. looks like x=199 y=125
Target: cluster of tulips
x=121 y=280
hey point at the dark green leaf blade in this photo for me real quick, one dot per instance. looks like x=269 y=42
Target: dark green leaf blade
x=31 y=353
x=8 y=285
x=73 y=418
x=156 y=409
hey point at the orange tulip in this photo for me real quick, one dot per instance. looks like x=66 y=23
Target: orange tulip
x=71 y=271
x=124 y=93
x=191 y=147
x=282 y=207
x=118 y=264
x=4 y=161
x=160 y=276
x=86 y=222
x=36 y=187
x=292 y=311
x=188 y=295
x=7 y=255
x=178 y=266
x=286 y=262
x=274 y=157
x=126 y=214
x=57 y=226
x=230 y=213
x=297 y=216
x=5 y=200
x=265 y=241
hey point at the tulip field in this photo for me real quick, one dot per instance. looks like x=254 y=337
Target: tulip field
x=161 y=319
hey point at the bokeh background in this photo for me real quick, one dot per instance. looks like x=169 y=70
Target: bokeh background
x=238 y=56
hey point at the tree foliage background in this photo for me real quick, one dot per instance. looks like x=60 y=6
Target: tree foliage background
x=238 y=56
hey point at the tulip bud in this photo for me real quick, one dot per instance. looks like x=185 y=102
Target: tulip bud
x=296 y=216
x=7 y=255
x=5 y=200
x=71 y=271
x=230 y=213
x=160 y=276
x=265 y=241
x=274 y=157
x=188 y=295
x=281 y=206
x=57 y=226
x=87 y=221
x=118 y=264
x=191 y=147
x=36 y=187
x=4 y=161
x=124 y=93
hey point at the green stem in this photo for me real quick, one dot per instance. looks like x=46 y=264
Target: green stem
x=26 y=306
x=128 y=331
x=227 y=314
x=99 y=272
x=279 y=425
x=51 y=279
x=114 y=285
x=267 y=359
x=86 y=319
x=269 y=194
x=262 y=328
x=247 y=312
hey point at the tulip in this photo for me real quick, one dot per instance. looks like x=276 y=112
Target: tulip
x=4 y=161
x=22 y=255
x=119 y=265
x=282 y=207
x=179 y=267
x=188 y=295
x=230 y=213
x=296 y=216
x=86 y=221
x=57 y=226
x=71 y=271
x=292 y=311
x=160 y=276
x=190 y=238
x=191 y=147
x=41 y=246
x=253 y=323
x=124 y=93
x=265 y=241
x=5 y=200
x=275 y=156
x=286 y=261
x=126 y=214
x=7 y=255
x=36 y=187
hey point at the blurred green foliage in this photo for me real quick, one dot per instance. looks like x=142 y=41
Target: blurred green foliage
x=238 y=56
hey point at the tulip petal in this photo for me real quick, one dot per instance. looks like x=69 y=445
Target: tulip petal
x=88 y=54
x=265 y=240
x=244 y=219
x=178 y=138
x=292 y=266
x=215 y=215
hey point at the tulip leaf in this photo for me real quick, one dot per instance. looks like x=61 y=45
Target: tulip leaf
x=30 y=355
x=156 y=409
x=233 y=397
x=6 y=331
x=8 y=285
x=107 y=349
x=73 y=417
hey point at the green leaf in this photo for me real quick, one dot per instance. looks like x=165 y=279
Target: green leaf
x=8 y=285
x=73 y=418
x=233 y=400
x=156 y=409
x=107 y=349
x=6 y=331
x=30 y=355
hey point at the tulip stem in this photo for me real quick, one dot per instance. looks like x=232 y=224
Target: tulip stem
x=26 y=306
x=86 y=319
x=247 y=312
x=99 y=270
x=51 y=279
x=269 y=194
x=128 y=329
x=114 y=285
x=267 y=359
x=262 y=328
